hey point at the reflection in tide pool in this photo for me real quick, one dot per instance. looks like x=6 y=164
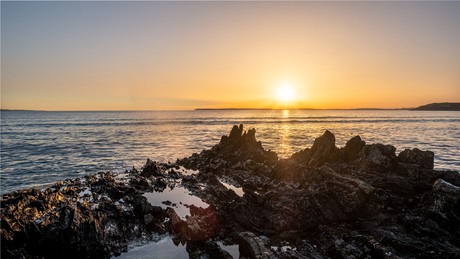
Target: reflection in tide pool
x=177 y=198
x=237 y=190
x=233 y=250
x=164 y=247
x=167 y=247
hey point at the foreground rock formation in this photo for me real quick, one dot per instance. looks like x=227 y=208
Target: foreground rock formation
x=359 y=201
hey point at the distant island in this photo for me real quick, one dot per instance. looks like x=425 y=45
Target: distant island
x=438 y=107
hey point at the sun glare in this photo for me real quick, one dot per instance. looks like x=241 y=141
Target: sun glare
x=285 y=93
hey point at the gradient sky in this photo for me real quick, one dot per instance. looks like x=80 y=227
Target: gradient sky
x=186 y=55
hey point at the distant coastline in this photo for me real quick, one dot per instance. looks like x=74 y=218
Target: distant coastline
x=237 y=109
x=16 y=110
x=445 y=106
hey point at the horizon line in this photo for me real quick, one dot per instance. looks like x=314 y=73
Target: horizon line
x=204 y=109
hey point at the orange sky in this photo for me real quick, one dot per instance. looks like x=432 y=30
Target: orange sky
x=187 y=55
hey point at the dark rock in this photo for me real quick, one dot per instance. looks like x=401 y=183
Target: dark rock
x=238 y=146
x=215 y=251
x=235 y=135
x=443 y=186
x=353 y=147
x=425 y=159
x=324 y=150
x=377 y=157
x=253 y=247
x=197 y=227
x=151 y=168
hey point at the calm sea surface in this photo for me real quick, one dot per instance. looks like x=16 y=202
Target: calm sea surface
x=41 y=148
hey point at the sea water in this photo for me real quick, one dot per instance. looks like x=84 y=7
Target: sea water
x=41 y=148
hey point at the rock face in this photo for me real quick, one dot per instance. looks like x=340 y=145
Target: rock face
x=358 y=201
x=424 y=159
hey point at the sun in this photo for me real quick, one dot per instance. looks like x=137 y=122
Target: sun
x=285 y=93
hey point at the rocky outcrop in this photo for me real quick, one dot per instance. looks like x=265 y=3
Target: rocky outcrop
x=238 y=147
x=358 y=201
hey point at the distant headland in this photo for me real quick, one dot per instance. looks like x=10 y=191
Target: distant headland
x=438 y=107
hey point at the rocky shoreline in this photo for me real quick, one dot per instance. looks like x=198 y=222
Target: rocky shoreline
x=359 y=201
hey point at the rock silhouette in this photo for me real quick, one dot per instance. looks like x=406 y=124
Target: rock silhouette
x=358 y=201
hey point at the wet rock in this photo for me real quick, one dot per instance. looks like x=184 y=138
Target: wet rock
x=197 y=227
x=83 y=219
x=252 y=246
x=442 y=186
x=214 y=251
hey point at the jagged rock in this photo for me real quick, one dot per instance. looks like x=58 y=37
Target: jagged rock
x=238 y=146
x=353 y=148
x=151 y=168
x=425 y=159
x=324 y=150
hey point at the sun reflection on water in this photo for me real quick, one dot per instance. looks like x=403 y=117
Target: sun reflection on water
x=285 y=136
x=285 y=113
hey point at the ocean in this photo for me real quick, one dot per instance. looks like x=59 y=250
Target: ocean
x=40 y=148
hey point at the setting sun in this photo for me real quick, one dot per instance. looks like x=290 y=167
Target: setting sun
x=285 y=93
